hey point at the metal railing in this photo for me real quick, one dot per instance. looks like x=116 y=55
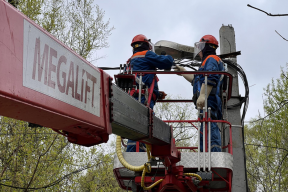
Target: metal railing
x=206 y=113
x=205 y=121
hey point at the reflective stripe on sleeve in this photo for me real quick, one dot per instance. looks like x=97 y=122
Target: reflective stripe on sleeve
x=137 y=56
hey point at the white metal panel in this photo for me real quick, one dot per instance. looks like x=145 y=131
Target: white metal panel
x=52 y=69
x=188 y=160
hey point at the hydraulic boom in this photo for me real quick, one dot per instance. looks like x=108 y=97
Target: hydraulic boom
x=44 y=82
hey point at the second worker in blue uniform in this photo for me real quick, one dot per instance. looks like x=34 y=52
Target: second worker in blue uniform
x=144 y=58
x=206 y=49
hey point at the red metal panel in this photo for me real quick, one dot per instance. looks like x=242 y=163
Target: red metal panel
x=41 y=82
x=107 y=83
x=167 y=151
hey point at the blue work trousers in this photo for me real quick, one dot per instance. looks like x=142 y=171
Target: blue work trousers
x=215 y=135
x=131 y=145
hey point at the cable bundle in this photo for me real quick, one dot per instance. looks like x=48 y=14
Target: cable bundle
x=242 y=74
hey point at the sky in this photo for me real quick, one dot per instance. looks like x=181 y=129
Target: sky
x=186 y=21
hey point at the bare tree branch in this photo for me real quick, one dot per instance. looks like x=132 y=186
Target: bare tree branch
x=284 y=76
x=266 y=146
x=6 y=164
x=38 y=162
x=282 y=103
x=281 y=36
x=281 y=162
x=269 y=14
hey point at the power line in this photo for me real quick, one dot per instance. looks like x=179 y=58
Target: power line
x=244 y=100
x=266 y=146
x=8 y=134
x=55 y=182
x=284 y=102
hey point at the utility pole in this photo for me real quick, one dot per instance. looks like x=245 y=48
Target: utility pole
x=239 y=181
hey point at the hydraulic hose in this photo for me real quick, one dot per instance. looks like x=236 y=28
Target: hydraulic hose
x=149 y=152
x=123 y=161
x=193 y=175
x=148 y=166
x=136 y=168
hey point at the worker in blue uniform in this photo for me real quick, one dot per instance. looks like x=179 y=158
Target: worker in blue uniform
x=144 y=58
x=206 y=49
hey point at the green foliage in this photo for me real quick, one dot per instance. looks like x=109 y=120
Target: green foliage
x=31 y=8
x=267 y=141
x=100 y=178
x=185 y=134
x=77 y=23
x=38 y=158
x=31 y=157
x=87 y=33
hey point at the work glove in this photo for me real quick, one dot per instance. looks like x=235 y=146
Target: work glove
x=201 y=99
x=188 y=77
x=179 y=68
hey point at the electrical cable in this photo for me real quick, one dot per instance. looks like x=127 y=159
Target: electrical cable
x=156 y=174
x=147 y=169
x=156 y=171
x=245 y=99
x=194 y=175
x=187 y=65
x=192 y=63
x=109 y=68
x=283 y=103
x=129 y=182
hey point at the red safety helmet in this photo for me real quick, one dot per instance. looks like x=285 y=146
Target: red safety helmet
x=142 y=38
x=209 y=39
x=199 y=46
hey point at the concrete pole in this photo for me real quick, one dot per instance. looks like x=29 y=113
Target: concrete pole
x=239 y=182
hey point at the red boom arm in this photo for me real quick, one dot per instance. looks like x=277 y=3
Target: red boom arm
x=44 y=82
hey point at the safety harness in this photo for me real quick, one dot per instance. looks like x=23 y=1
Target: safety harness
x=144 y=92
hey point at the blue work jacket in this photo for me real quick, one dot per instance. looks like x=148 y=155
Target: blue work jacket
x=211 y=63
x=148 y=60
